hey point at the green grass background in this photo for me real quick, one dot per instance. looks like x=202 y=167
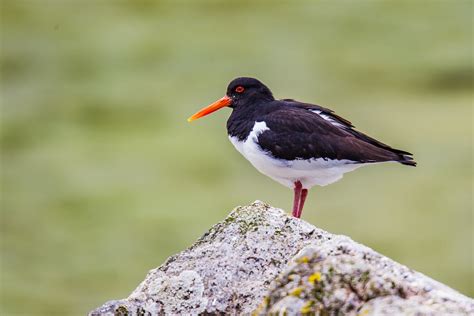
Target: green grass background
x=103 y=178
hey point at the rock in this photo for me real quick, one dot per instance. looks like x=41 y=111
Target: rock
x=342 y=277
x=262 y=260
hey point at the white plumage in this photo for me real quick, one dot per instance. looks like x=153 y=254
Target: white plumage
x=309 y=172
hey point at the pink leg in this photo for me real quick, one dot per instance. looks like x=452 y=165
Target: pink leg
x=304 y=193
x=296 y=200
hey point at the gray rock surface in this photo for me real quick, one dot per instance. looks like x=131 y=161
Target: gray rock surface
x=261 y=260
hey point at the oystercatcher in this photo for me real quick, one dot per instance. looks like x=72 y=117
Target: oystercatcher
x=297 y=144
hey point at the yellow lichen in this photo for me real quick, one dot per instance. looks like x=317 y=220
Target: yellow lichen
x=307 y=307
x=363 y=312
x=303 y=259
x=296 y=291
x=315 y=277
x=260 y=308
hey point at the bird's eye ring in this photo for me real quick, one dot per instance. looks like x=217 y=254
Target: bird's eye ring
x=239 y=89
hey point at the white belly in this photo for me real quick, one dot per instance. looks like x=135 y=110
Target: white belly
x=309 y=172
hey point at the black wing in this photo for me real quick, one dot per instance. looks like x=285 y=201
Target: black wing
x=294 y=133
x=322 y=111
x=343 y=123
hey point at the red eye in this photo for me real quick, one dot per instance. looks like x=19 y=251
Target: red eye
x=239 y=89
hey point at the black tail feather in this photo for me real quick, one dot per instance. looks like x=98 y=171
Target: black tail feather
x=406 y=159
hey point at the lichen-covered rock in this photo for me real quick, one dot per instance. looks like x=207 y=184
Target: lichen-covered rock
x=262 y=260
x=342 y=277
x=228 y=270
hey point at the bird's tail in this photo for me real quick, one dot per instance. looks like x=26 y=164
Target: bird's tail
x=407 y=159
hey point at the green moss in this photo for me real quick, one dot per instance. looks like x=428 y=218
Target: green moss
x=318 y=293
x=248 y=220
x=365 y=276
x=331 y=272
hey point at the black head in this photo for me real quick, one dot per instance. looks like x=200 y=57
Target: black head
x=241 y=92
x=244 y=89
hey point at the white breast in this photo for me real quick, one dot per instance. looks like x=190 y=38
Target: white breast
x=309 y=172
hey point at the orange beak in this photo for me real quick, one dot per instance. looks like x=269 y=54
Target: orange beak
x=225 y=101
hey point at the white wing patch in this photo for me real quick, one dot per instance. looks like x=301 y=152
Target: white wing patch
x=328 y=118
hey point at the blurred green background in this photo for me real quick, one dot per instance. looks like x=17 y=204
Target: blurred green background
x=103 y=178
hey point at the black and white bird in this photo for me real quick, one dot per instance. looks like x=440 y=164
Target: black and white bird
x=297 y=144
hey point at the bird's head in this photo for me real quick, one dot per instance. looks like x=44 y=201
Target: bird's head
x=240 y=92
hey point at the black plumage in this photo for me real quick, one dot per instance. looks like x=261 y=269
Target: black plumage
x=296 y=131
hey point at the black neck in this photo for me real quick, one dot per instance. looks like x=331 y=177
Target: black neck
x=244 y=116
